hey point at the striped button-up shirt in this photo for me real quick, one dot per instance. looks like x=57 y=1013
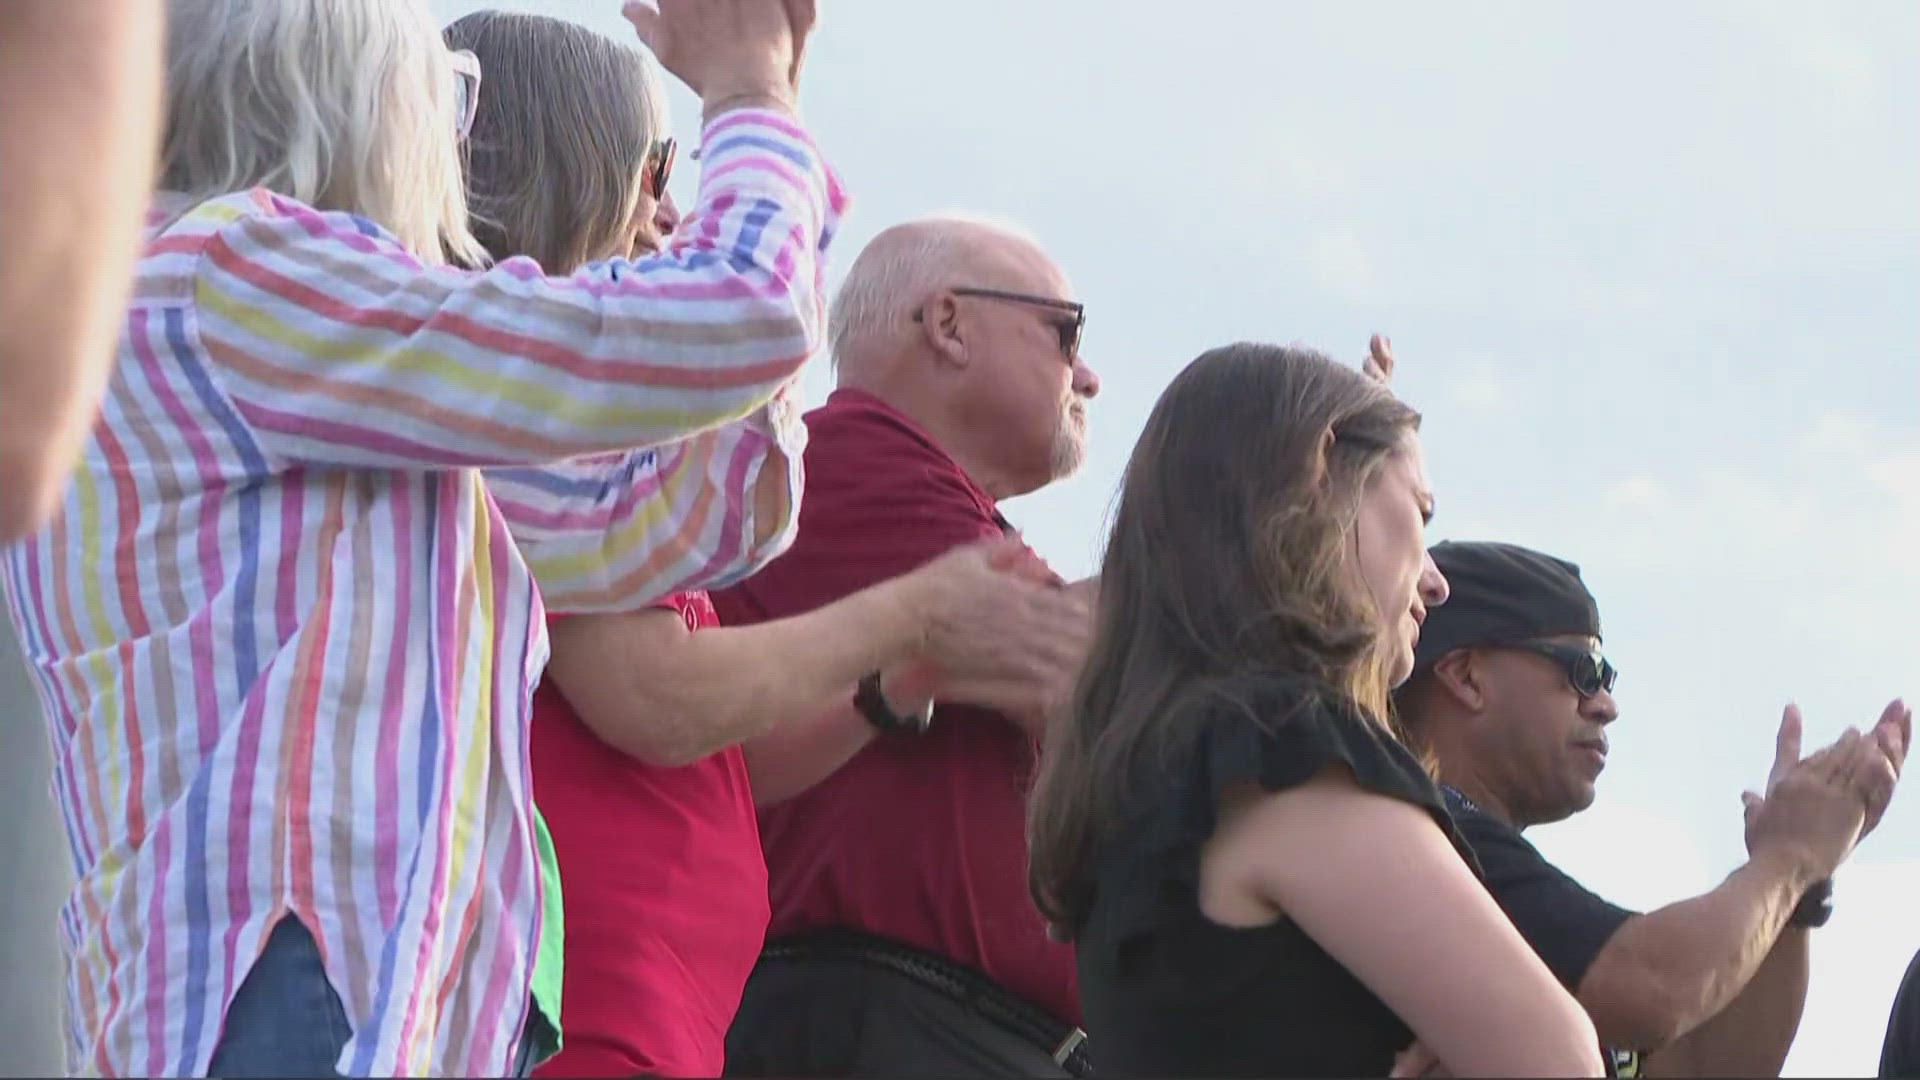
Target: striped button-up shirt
x=284 y=640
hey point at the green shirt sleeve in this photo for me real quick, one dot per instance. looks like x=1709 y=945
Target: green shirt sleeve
x=550 y=950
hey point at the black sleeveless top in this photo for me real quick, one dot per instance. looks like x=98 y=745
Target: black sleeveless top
x=1167 y=991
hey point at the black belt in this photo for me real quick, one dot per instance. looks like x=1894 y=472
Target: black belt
x=969 y=988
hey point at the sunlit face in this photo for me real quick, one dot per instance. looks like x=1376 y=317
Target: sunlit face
x=1028 y=390
x=652 y=225
x=653 y=220
x=1544 y=741
x=1391 y=539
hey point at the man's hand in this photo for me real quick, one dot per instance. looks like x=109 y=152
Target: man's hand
x=1379 y=361
x=746 y=51
x=1892 y=737
x=1815 y=807
x=1001 y=631
x=1870 y=768
x=1786 y=755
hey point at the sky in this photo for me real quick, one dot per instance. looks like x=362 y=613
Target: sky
x=1651 y=275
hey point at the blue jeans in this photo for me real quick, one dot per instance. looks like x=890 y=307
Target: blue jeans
x=286 y=1019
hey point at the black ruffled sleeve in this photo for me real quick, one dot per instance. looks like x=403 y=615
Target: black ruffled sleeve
x=1276 y=732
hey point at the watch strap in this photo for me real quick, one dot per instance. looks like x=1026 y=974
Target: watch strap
x=1815 y=906
x=871 y=702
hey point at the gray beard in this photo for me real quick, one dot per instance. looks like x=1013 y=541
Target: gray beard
x=1068 y=451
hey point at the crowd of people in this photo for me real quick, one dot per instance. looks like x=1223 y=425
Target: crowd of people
x=462 y=656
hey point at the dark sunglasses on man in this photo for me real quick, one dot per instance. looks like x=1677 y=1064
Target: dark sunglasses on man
x=1587 y=671
x=1069 y=328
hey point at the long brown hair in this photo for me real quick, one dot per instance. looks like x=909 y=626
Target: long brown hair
x=1229 y=556
x=566 y=120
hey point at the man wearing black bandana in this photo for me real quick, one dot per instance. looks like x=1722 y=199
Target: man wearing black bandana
x=1513 y=699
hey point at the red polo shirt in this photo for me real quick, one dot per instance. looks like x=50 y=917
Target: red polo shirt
x=665 y=894
x=923 y=839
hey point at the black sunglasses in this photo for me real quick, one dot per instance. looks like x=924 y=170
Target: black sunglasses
x=660 y=167
x=1069 y=330
x=1587 y=671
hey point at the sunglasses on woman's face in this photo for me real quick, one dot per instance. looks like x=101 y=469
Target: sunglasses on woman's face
x=660 y=167
x=1587 y=671
x=466 y=89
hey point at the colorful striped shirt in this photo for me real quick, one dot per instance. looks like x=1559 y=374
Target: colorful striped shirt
x=284 y=641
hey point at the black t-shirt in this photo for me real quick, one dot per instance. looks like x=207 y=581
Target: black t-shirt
x=1566 y=924
x=1900 y=1055
x=1167 y=991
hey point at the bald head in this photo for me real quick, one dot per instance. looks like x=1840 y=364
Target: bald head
x=904 y=266
x=996 y=379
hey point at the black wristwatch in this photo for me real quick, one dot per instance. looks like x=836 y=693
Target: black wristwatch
x=1815 y=906
x=872 y=704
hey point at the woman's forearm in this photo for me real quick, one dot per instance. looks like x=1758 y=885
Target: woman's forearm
x=667 y=695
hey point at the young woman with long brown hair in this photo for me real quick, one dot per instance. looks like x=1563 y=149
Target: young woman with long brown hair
x=1260 y=878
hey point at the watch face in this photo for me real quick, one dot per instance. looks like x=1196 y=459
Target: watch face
x=872 y=704
x=1814 y=909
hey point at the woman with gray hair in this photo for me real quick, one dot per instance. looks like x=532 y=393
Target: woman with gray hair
x=637 y=725
x=284 y=639
x=571 y=145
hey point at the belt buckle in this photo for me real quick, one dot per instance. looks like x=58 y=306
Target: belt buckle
x=1067 y=1046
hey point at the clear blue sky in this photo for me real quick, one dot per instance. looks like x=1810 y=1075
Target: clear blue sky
x=1651 y=271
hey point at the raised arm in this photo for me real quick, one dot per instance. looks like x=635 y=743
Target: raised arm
x=613 y=532
x=1667 y=972
x=81 y=83
x=1375 y=882
x=1752 y=1035
x=1664 y=972
x=339 y=348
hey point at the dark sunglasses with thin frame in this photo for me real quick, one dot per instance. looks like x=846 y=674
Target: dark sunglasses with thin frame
x=1587 y=671
x=1069 y=329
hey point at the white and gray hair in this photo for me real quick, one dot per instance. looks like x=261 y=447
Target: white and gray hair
x=905 y=264
x=344 y=105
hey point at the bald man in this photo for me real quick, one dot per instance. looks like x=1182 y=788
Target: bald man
x=902 y=940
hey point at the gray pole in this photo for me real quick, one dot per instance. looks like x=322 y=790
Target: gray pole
x=37 y=875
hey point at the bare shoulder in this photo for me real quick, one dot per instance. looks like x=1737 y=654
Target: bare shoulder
x=1327 y=835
